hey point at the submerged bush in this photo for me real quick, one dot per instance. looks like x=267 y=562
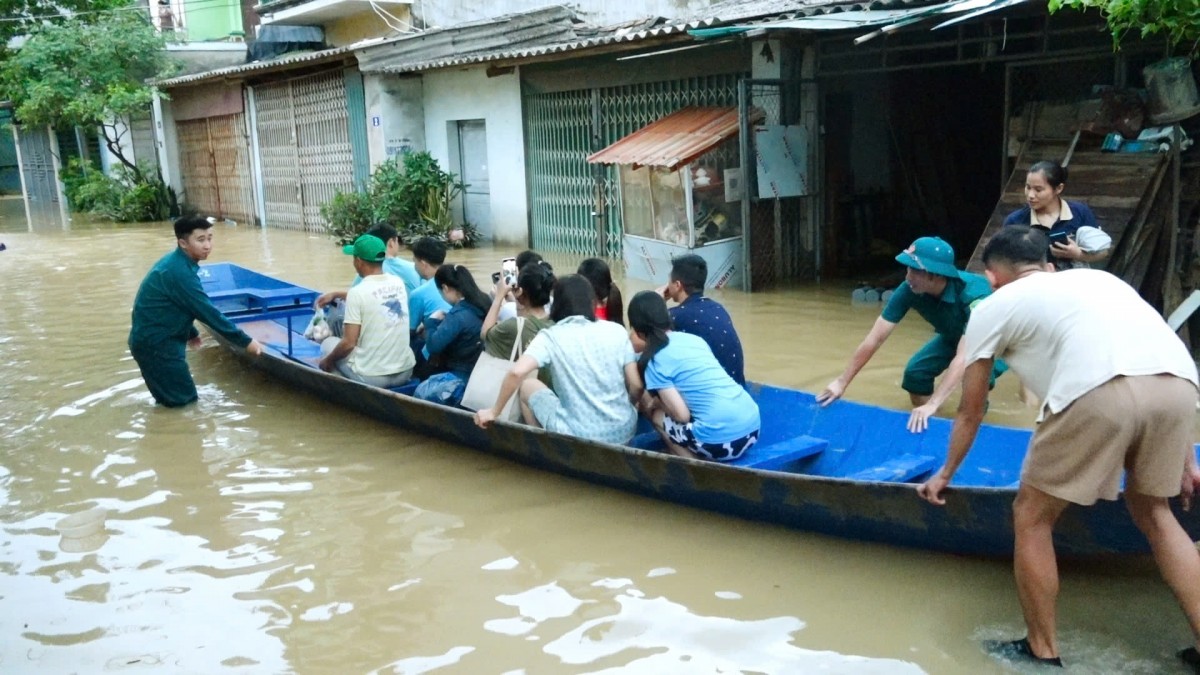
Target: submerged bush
x=412 y=194
x=122 y=197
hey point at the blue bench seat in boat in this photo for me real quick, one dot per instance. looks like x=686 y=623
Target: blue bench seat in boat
x=407 y=388
x=906 y=467
x=770 y=457
x=266 y=298
x=776 y=456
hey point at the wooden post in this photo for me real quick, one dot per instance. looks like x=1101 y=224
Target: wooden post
x=1171 y=289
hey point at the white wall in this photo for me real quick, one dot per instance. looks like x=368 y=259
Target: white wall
x=469 y=94
x=395 y=116
x=167 y=142
x=445 y=13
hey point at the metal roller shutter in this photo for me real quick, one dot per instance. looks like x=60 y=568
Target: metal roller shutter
x=304 y=144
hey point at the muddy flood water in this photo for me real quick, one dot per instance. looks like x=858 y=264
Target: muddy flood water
x=264 y=531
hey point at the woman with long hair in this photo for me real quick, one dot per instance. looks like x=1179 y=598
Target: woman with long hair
x=592 y=364
x=695 y=405
x=453 y=337
x=607 y=295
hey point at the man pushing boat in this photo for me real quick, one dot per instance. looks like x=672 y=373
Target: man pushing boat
x=169 y=300
x=944 y=296
x=1119 y=394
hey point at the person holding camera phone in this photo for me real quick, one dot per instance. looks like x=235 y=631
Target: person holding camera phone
x=1058 y=218
x=531 y=288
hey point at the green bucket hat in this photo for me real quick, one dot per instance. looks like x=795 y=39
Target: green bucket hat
x=931 y=254
x=367 y=247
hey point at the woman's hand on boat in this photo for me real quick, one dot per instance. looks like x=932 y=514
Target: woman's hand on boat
x=931 y=490
x=255 y=348
x=832 y=392
x=484 y=418
x=918 y=421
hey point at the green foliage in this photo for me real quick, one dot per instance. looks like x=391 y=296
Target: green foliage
x=86 y=72
x=1178 y=22
x=347 y=215
x=125 y=197
x=22 y=17
x=412 y=194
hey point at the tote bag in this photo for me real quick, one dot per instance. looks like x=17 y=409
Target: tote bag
x=484 y=385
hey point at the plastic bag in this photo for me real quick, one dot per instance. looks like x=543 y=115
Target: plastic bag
x=317 y=329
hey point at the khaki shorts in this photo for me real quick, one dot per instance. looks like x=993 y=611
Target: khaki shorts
x=1141 y=425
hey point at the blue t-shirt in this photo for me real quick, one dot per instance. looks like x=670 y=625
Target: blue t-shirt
x=1071 y=217
x=398 y=267
x=423 y=301
x=722 y=410
x=948 y=314
x=707 y=319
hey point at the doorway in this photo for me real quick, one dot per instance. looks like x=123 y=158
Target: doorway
x=473 y=163
x=908 y=154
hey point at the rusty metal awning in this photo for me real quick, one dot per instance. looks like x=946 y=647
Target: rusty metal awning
x=674 y=140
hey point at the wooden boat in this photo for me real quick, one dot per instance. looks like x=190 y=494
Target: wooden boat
x=847 y=470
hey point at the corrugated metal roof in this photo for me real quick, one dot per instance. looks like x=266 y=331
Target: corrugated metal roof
x=547 y=44
x=539 y=51
x=717 y=14
x=849 y=19
x=283 y=63
x=551 y=25
x=540 y=26
x=743 y=10
x=674 y=140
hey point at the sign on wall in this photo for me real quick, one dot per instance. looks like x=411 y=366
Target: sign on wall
x=782 y=160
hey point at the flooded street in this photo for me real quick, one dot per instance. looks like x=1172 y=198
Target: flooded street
x=263 y=531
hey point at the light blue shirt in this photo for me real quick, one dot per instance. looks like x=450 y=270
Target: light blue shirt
x=423 y=301
x=587 y=361
x=398 y=267
x=722 y=410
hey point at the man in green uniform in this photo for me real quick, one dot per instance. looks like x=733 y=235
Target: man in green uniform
x=944 y=296
x=170 y=298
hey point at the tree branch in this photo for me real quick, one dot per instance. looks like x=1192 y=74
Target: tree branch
x=114 y=146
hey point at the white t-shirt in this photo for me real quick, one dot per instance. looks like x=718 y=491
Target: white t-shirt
x=380 y=306
x=1066 y=333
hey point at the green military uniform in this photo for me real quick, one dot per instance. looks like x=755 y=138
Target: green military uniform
x=170 y=298
x=948 y=315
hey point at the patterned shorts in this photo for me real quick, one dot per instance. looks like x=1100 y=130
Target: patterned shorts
x=681 y=434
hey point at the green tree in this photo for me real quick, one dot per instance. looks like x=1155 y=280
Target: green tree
x=23 y=16
x=90 y=71
x=1176 y=20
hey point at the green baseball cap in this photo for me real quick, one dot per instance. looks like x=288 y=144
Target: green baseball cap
x=931 y=254
x=367 y=247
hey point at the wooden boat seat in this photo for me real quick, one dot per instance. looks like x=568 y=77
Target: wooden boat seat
x=777 y=456
x=903 y=469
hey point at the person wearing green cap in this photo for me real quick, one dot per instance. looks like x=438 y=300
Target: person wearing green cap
x=944 y=296
x=373 y=348
x=335 y=301
x=170 y=299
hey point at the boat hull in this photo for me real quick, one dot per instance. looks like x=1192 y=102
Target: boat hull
x=974 y=521
x=823 y=492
